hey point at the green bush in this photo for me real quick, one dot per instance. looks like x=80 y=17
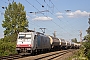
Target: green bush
x=8 y=45
x=7 y=48
x=87 y=46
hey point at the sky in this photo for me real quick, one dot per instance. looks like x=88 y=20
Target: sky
x=66 y=17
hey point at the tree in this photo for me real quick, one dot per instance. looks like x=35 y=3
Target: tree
x=86 y=44
x=88 y=31
x=15 y=19
x=74 y=40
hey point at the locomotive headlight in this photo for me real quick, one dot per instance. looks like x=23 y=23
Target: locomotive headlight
x=29 y=45
x=18 y=45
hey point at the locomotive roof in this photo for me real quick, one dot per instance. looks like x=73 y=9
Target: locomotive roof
x=30 y=31
x=25 y=32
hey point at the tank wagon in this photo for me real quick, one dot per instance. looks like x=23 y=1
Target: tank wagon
x=54 y=42
x=76 y=46
x=62 y=43
x=67 y=45
x=72 y=45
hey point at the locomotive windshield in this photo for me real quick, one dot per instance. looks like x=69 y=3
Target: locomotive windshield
x=24 y=36
x=28 y=36
x=21 y=36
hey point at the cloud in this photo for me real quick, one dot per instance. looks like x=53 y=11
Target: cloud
x=59 y=15
x=42 y=18
x=77 y=14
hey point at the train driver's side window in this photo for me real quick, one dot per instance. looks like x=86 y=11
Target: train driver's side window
x=35 y=36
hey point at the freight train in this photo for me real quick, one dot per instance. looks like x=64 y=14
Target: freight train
x=33 y=42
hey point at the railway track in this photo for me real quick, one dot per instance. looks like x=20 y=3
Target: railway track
x=52 y=55
x=46 y=56
x=13 y=57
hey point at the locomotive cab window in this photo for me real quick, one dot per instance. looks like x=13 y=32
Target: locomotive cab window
x=28 y=36
x=21 y=36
